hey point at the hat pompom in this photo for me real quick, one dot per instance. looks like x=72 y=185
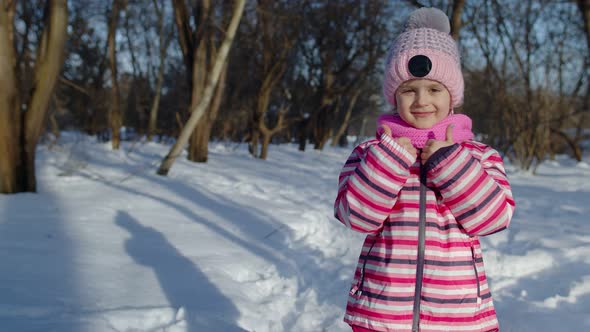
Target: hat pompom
x=432 y=18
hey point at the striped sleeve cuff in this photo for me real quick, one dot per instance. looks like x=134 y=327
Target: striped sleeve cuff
x=439 y=157
x=442 y=158
x=396 y=151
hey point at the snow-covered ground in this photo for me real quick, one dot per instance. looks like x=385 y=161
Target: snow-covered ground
x=239 y=244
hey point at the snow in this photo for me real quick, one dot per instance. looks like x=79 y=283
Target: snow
x=239 y=244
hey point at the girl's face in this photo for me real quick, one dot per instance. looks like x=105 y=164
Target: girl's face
x=422 y=103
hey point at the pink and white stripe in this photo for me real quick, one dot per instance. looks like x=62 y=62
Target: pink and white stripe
x=468 y=196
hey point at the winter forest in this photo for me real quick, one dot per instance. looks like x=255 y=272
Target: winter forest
x=171 y=165
x=298 y=71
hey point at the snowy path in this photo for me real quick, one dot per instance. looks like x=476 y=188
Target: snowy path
x=239 y=244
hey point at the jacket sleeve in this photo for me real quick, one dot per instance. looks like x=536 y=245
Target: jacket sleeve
x=369 y=184
x=476 y=191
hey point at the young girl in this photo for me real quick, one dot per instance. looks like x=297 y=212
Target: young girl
x=424 y=192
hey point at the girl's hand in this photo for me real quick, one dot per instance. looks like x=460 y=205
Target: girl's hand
x=433 y=145
x=405 y=142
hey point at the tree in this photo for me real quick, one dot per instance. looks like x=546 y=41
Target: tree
x=115 y=114
x=164 y=40
x=199 y=51
x=525 y=96
x=199 y=110
x=336 y=138
x=340 y=46
x=82 y=89
x=455 y=18
x=20 y=127
x=575 y=140
x=274 y=36
x=584 y=6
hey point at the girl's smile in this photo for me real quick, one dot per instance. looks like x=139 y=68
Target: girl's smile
x=422 y=114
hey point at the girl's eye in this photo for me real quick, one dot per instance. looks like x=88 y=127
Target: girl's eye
x=407 y=91
x=435 y=90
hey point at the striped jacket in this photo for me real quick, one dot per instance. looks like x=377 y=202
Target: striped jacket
x=439 y=273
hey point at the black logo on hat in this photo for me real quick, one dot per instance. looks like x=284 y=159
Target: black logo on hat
x=420 y=65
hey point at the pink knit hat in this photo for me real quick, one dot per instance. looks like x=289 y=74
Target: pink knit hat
x=424 y=50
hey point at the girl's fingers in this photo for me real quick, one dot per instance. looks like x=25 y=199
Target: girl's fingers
x=386 y=130
x=449 y=134
x=404 y=141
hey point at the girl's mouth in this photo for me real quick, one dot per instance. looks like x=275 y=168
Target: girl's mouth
x=422 y=114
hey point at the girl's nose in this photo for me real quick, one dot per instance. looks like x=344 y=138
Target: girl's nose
x=421 y=98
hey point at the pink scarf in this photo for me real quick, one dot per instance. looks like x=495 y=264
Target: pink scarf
x=399 y=128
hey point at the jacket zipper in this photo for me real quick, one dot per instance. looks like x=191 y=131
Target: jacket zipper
x=358 y=289
x=476 y=276
x=421 y=248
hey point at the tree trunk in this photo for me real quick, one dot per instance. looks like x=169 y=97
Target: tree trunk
x=338 y=137
x=198 y=146
x=54 y=126
x=11 y=179
x=274 y=54
x=185 y=34
x=200 y=142
x=199 y=149
x=303 y=133
x=153 y=122
x=254 y=136
x=321 y=141
x=115 y=116
x=321 y=121
x=577 y=152
x=259 y=124
x=361 y=133
x=47 y=67
x=164 y=41
x=323 y=131
x=572 y=142
x=267 y=133
x=264 y=148
x=20 y=129
x=456 y=18
x=345 y=122
x=584 y=6
x=199 y=110
x=199 y=81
